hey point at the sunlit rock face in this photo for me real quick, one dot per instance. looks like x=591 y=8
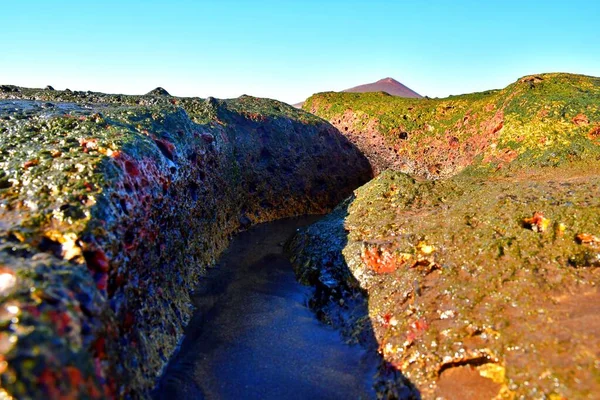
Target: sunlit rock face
x=554 y=117
x=483 y=281
x=112 y=207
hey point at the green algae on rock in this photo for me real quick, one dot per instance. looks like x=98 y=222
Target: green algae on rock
x=541 y=119
x=470 y=284
x=488 y=276
x=111 y=208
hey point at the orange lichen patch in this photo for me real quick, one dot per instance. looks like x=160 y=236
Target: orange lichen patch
x=383 y=261
x=31 y=163
x=537 y=223
x=594 y=133
x=508 y=156
x=587 y=239
x=75 y=376
x=580 y=120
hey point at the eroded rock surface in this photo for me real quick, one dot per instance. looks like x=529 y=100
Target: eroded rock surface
x=483 y=284
x=437 y=138
x=112 y=206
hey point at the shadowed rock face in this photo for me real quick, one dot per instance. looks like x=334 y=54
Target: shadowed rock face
x=111 y=208
x=483 y=283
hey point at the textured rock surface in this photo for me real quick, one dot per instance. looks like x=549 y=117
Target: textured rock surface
x=439 y=137
x=112 y=206
x=484 y=283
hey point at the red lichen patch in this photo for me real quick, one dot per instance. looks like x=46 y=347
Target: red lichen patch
x=75 y=376
x=99 y=348
x=587 y=239
x=61 y=320
x=69 y=384
x=166 y=147
x=96 y=260
x=131 y=168
x=49 y=381
x=581 y=120
x=537 y=223
x=383 y=261
x=101 y=280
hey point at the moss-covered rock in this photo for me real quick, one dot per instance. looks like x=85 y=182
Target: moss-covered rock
x=542 y=120
x=489 y=277
x=111 y=208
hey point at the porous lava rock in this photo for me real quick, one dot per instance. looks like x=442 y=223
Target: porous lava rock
x=436 y=138
x=483 y=282
x=111 y=209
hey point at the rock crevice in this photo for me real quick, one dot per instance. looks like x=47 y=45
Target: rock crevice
x=112 y=207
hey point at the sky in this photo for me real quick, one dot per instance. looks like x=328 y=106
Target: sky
x=288 y=49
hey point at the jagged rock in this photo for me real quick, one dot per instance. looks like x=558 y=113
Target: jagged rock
x=9 y=88
x=418 y=136
x=486 y=277
x=112 y=207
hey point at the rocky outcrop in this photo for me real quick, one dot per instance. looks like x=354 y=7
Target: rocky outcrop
x=112 y=207
x=483 y=283
x=437 y=138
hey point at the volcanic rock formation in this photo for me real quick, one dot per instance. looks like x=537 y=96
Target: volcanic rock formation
x=484 y=280
x=112 y=207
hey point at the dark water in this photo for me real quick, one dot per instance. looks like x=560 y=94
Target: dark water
x=253 y=336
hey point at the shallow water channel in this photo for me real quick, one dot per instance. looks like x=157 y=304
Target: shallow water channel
x=254 y=337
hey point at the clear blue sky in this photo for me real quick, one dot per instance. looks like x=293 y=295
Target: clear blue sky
x=290 y=49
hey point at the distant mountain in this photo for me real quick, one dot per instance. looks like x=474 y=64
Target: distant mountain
x=388 y=85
